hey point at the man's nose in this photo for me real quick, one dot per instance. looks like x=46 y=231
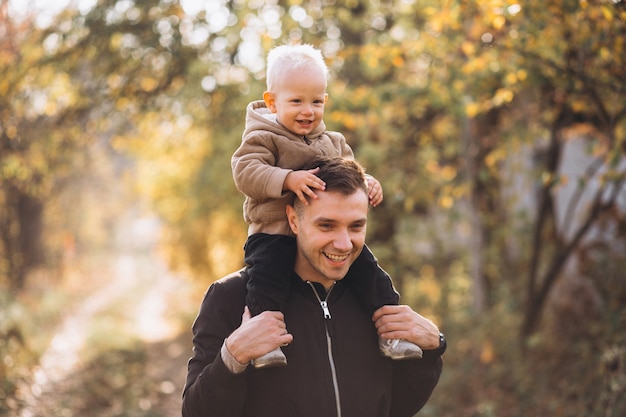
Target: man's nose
x=342 y=241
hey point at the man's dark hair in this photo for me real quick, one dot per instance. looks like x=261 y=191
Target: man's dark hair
x=340 y=175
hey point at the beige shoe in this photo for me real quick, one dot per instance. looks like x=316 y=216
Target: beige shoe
x=272 y=359
x=399 y=349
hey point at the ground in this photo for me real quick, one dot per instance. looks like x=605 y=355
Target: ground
x=121 y=350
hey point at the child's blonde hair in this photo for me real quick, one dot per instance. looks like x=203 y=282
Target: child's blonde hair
x=287 y=57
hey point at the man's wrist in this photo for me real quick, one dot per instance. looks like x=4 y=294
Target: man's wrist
x=230 y=361
x=439 y=350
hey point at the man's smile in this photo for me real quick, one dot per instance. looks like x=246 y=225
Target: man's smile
x=336 y=258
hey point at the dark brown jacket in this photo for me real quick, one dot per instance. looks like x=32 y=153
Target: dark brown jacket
x=369 y=385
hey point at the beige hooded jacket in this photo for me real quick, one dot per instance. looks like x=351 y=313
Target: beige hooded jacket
x=268 y=152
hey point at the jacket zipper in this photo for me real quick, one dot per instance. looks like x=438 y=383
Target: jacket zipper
x=327 y=316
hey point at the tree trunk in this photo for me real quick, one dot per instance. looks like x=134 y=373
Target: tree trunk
x=479 y=286
x=21 y=228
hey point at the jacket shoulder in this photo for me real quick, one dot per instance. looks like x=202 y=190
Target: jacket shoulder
x=223 y=304
x=335 y=135
x=233 y=283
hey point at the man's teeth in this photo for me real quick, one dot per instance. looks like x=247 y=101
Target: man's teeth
x=336 y=257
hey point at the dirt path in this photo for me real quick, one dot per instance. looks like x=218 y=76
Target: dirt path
x=122 y=351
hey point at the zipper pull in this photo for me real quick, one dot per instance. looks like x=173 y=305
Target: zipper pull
x=324 y=305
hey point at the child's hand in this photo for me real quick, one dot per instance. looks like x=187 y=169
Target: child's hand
x=302 y=183
x=375 y=191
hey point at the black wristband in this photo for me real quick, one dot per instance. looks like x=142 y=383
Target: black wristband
x=440 y=349
x=442 y=343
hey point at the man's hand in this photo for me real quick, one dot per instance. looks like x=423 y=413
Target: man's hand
x=258 y=335
x=401 y=322
x=375 y=190
x=303 y=183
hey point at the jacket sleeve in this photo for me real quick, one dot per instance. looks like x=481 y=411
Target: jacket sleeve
x=254 y=168
x=211 y=389
x=413 y=383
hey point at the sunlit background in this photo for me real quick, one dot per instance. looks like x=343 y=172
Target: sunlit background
x=496 y=127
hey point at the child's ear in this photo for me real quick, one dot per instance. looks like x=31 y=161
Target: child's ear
x=270 y=101
x=325 y=98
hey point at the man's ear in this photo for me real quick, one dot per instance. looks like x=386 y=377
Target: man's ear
x=292 y=218
x=270 y=101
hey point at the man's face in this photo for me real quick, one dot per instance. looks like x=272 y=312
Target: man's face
x=299 y=100
x=330 y=232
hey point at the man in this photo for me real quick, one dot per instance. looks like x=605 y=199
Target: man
x=335 y=367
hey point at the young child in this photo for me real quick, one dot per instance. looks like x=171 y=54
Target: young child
x=283 y=133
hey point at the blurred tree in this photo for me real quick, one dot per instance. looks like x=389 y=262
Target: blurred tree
x=64 y=88
x=576 y=55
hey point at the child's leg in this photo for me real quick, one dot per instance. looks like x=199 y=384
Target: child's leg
x=271 y=259
x=371 y=284
x=374 y=289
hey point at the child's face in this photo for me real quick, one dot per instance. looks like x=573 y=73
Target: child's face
x=299 y=100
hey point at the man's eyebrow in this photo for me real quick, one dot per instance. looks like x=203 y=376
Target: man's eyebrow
x=331 y=220
x=325 y=220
